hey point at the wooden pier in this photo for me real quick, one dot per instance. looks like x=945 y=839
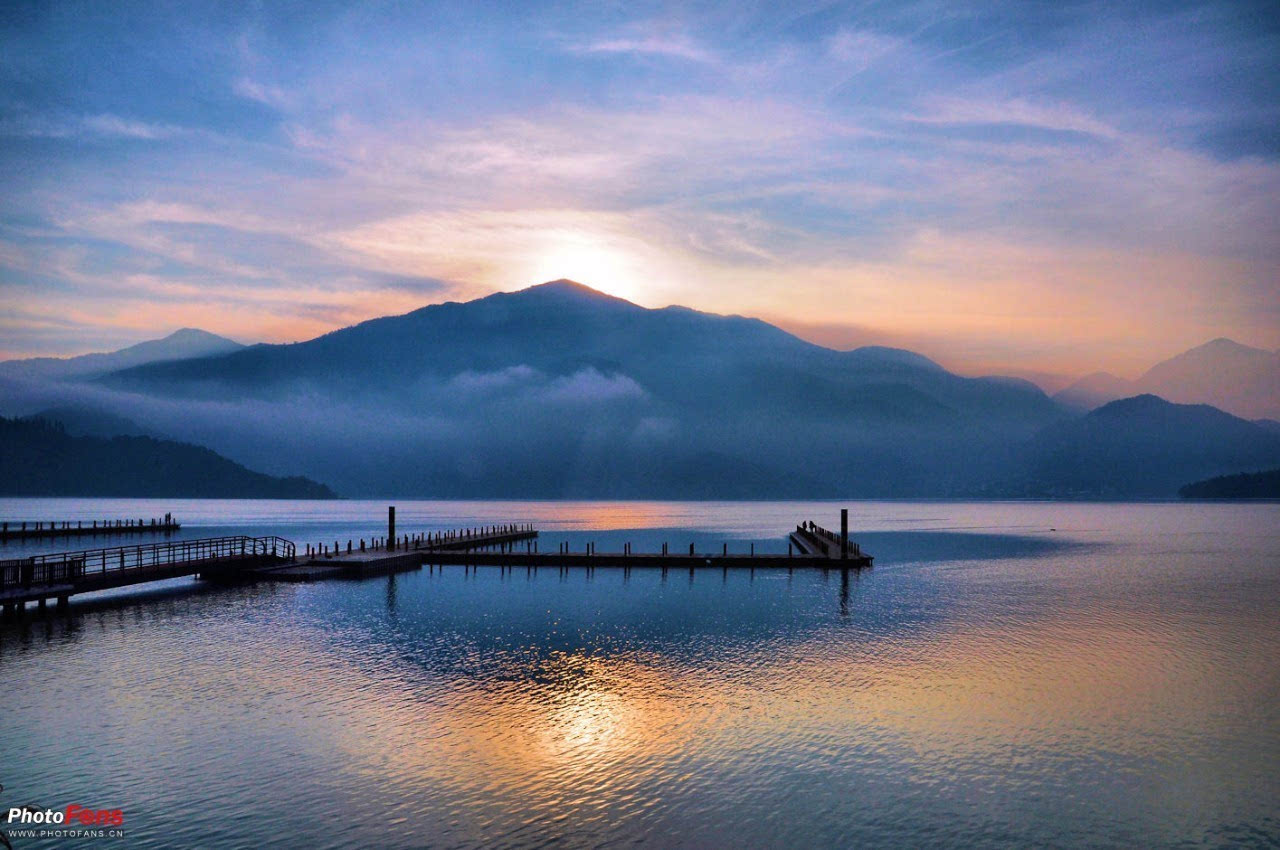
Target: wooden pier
x=43 y=530
x=59 y=576
x=810 y=546
x=361 y=558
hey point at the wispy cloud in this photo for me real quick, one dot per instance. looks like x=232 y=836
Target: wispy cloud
x=677 y=46
x=114 y=125
x=261 y=92
x=1042 y=115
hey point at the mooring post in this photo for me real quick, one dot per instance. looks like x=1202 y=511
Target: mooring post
x=391 y=527
x=844 y=534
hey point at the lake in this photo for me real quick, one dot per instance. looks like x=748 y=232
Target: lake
x=1007 y=674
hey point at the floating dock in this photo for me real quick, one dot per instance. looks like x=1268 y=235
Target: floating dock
x=40 y=578
x=43 y=530
x=809 y=546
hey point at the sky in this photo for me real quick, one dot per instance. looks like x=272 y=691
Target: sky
x=1037 y=188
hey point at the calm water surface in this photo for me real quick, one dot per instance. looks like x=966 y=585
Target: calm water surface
x=1008 y=674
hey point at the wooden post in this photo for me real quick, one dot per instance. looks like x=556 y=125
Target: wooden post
x=391 y=527
x=844 y=534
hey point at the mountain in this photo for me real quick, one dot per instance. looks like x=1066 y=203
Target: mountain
x=1142 y=447
x=39 y=458
x=560 y=390
x=1093 y=391
x=183 y=344
x=1244 y=485
x=1237 y=378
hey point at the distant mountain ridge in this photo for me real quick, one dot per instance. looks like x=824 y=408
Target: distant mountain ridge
x=1143 y=446
x=182 y=344
x=1226 y=374
x=563 y=327
x=1237 y=378
x=560 y=391
x=636 y=399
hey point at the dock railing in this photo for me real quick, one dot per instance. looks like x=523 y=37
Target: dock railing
x=69 y=567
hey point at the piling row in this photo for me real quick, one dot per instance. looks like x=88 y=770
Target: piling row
x=42 y=529
x=465 y=538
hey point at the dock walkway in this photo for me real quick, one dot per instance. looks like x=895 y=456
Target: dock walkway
x=58 y=576
x=810 y=547
x=43 y=530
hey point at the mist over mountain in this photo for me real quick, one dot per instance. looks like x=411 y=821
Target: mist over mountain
x=562 y=391
x=1094 y=390
x=87 y=421
x=180 y=345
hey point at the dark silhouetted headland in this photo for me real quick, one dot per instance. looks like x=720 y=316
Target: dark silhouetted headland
x=1143 y=446
x=38 y=458
x=1244 y=485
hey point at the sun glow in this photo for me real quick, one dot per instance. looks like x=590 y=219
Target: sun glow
x=593 y=261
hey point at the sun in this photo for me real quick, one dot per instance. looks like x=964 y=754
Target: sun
x=592 y=261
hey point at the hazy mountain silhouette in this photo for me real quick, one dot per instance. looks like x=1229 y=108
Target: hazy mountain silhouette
x=1143 y=446
x=39 y=458
x=179 y=345
x=1239 y=379
x=562 y=390
x=1093 y=391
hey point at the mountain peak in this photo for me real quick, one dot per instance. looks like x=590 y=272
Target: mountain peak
x=1238 y=378
x=564 y=290
x=1222 y=345
x=564 y=285
x=193 y=335
x=1142 y=403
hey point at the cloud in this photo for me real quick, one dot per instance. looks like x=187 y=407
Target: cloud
x=861 y=49
x=114 y=125
x=1042 y=115
x=678 y=47
x=793 y=165
x=488 y=383
x=263 y=93
x=590 y=386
